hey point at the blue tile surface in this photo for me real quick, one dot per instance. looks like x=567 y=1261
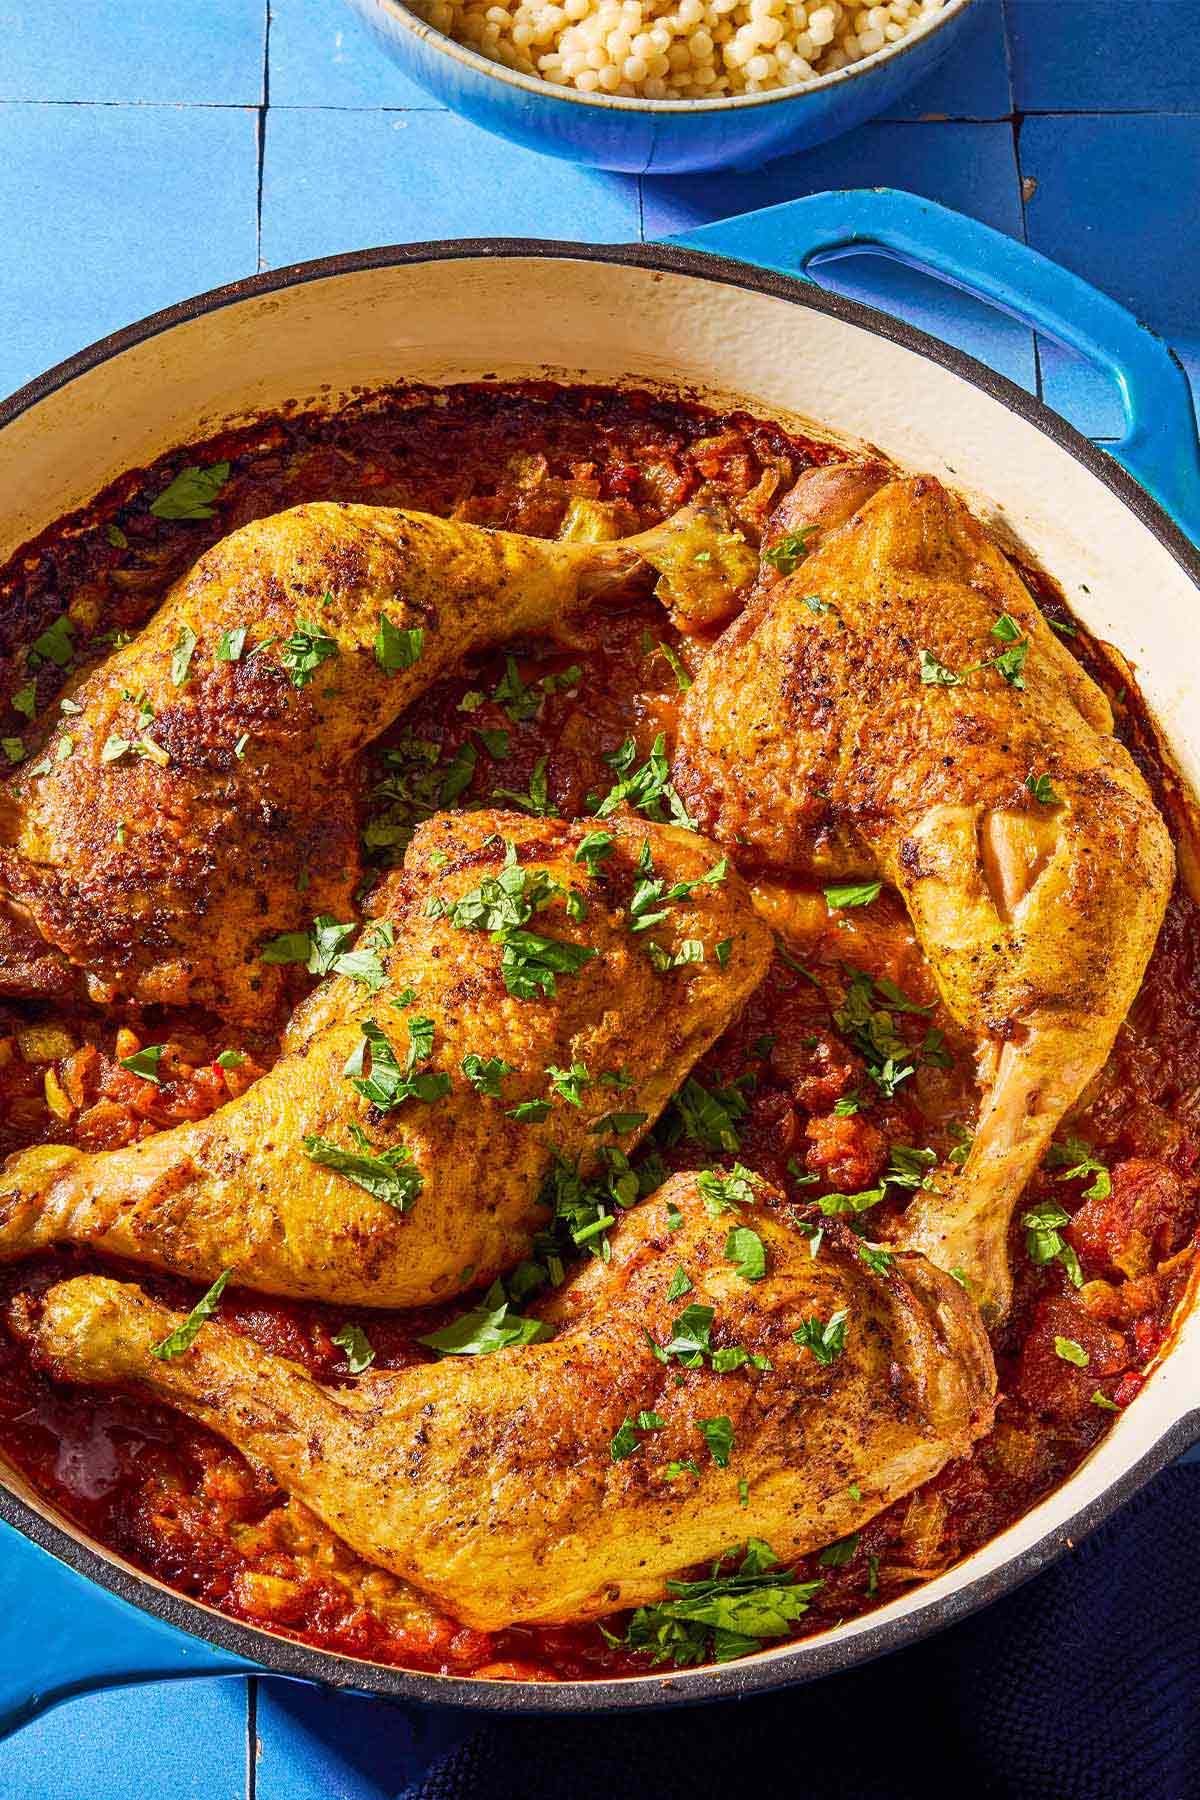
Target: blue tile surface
x=323 y=55
x=147 y=50
x=184 y=1740
x=111 y=212
x=149 y=189
x=1108 y=205
x=1105 y=55
x=970 y=167
x=973 y=82
x=465 y=189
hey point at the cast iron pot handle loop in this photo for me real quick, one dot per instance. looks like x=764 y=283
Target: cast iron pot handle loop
x=1158 y=444
x=60 y=1635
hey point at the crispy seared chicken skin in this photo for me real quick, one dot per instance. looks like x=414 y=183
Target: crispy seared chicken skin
x=843 y=727
x=237 y=1189
x=206 y=802
x=489 y=1482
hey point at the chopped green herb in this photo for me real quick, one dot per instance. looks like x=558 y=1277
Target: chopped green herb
x=854 y=893
x=396 y=650
x=230 y=1059
x=25 y=699
x=303 y=653
x=1041 y=789
x=723 y=1616
x=747 y=1252
x=832 y=1205
x=388 y=1175
x=1099 y=1399
x=594 y=848
x=707 y=1115
x=388 y=1085
x=144 y=1062
x=190 y=495
x=789 y=551
x=116 y=537
x=683 y=680
x=13 y=748
x=826 y=1342
x=935 y=673
x=485 y=1077
x=718 y=1435
x=836 y=1556
x=486 y=1328
x=1080 y=1162
x=519 y=702
x=530 y=1112
x=724 y=1193
x=648 y=788
x=618 y=1123
x=54 y=645
x=536 y=799
x=184 y=1336
x=1071 y=1352
x=231 y=643
x=181 y=656
x=569 y=1083
x=681 y=1284
x=353 y=1340
x=1044 y=1240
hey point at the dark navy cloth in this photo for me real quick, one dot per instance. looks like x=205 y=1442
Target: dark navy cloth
x=1083 y=1685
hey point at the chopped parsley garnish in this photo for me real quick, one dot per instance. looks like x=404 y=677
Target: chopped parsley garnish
x=1071 y=1352
x=116 y=537
x=521 y=703
x=836 y=1556
x=826 y=1342
x=1079 y=1161
x=683 y=680
x=707 y=1115
x=724 y=1193
x=595 y=847
x=1041 y=789
x=485 y=1076
x=648 y=788
x=877 y=1259
x=722 y=1616
x=691 y=950
x=871 y=1030
x=190 y=495
x=832 y=1205
x=54 y=645
x=25 y=699
x=530 y=1112
x=689 y=1336
x=13 y=748
x=652 y=891
x=530 y=963
x=323 y=950
x=303 y=653
x=231 y=643
x=230 y=1059
x=1044 y=1240
x=618 y=1123
x=628 y=1439
x=144 y=1062
x=388 y=1085
x=1009 y=663
x=181 y=656
x=909 y=1167
x=681 y=1284
x=488 y=1327
x=747 y=1252
x=502 y=904
x=789 y=551
x=354 y=1341
x=1101 y=1399
x=184 y=1336
x=854 y=893
x=390 y=1175
x=569 y=1084
x=718 y=1435
x=536 y=799
x=396 y=650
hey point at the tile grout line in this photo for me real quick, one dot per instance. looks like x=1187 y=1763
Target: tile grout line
x=263 y=109
x=1008 y=118
x=1018 y=118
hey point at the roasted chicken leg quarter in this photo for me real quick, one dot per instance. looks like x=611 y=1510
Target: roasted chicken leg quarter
x=199 y=798
x=897 y=707
x=519 y=1022
x=501 y=1484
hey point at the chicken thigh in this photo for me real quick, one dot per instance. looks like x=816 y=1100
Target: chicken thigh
x=518 y=1021
x=516 y=1487
x=895 y=706
x=197 y=798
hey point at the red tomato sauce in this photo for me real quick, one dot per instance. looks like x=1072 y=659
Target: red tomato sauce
x=175 y=1499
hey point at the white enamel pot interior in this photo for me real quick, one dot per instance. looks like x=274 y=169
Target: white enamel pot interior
x=719 y=331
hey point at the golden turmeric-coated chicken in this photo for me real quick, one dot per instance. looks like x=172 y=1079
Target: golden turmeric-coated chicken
x=897 y=707
x=196 y=799
x=524 y=1020
x=568 y=1479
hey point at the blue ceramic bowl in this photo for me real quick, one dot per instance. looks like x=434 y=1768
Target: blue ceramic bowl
x=657 y=136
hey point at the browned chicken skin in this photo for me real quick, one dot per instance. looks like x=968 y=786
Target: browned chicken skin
x=821 y=738
x=198 y=800
x=236 y=1190
x=490 y=1481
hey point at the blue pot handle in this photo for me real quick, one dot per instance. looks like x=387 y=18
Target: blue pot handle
x=61 y=1635
x=1158 y=445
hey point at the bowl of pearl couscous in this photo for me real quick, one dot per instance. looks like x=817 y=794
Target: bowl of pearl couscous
x=666 y=85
